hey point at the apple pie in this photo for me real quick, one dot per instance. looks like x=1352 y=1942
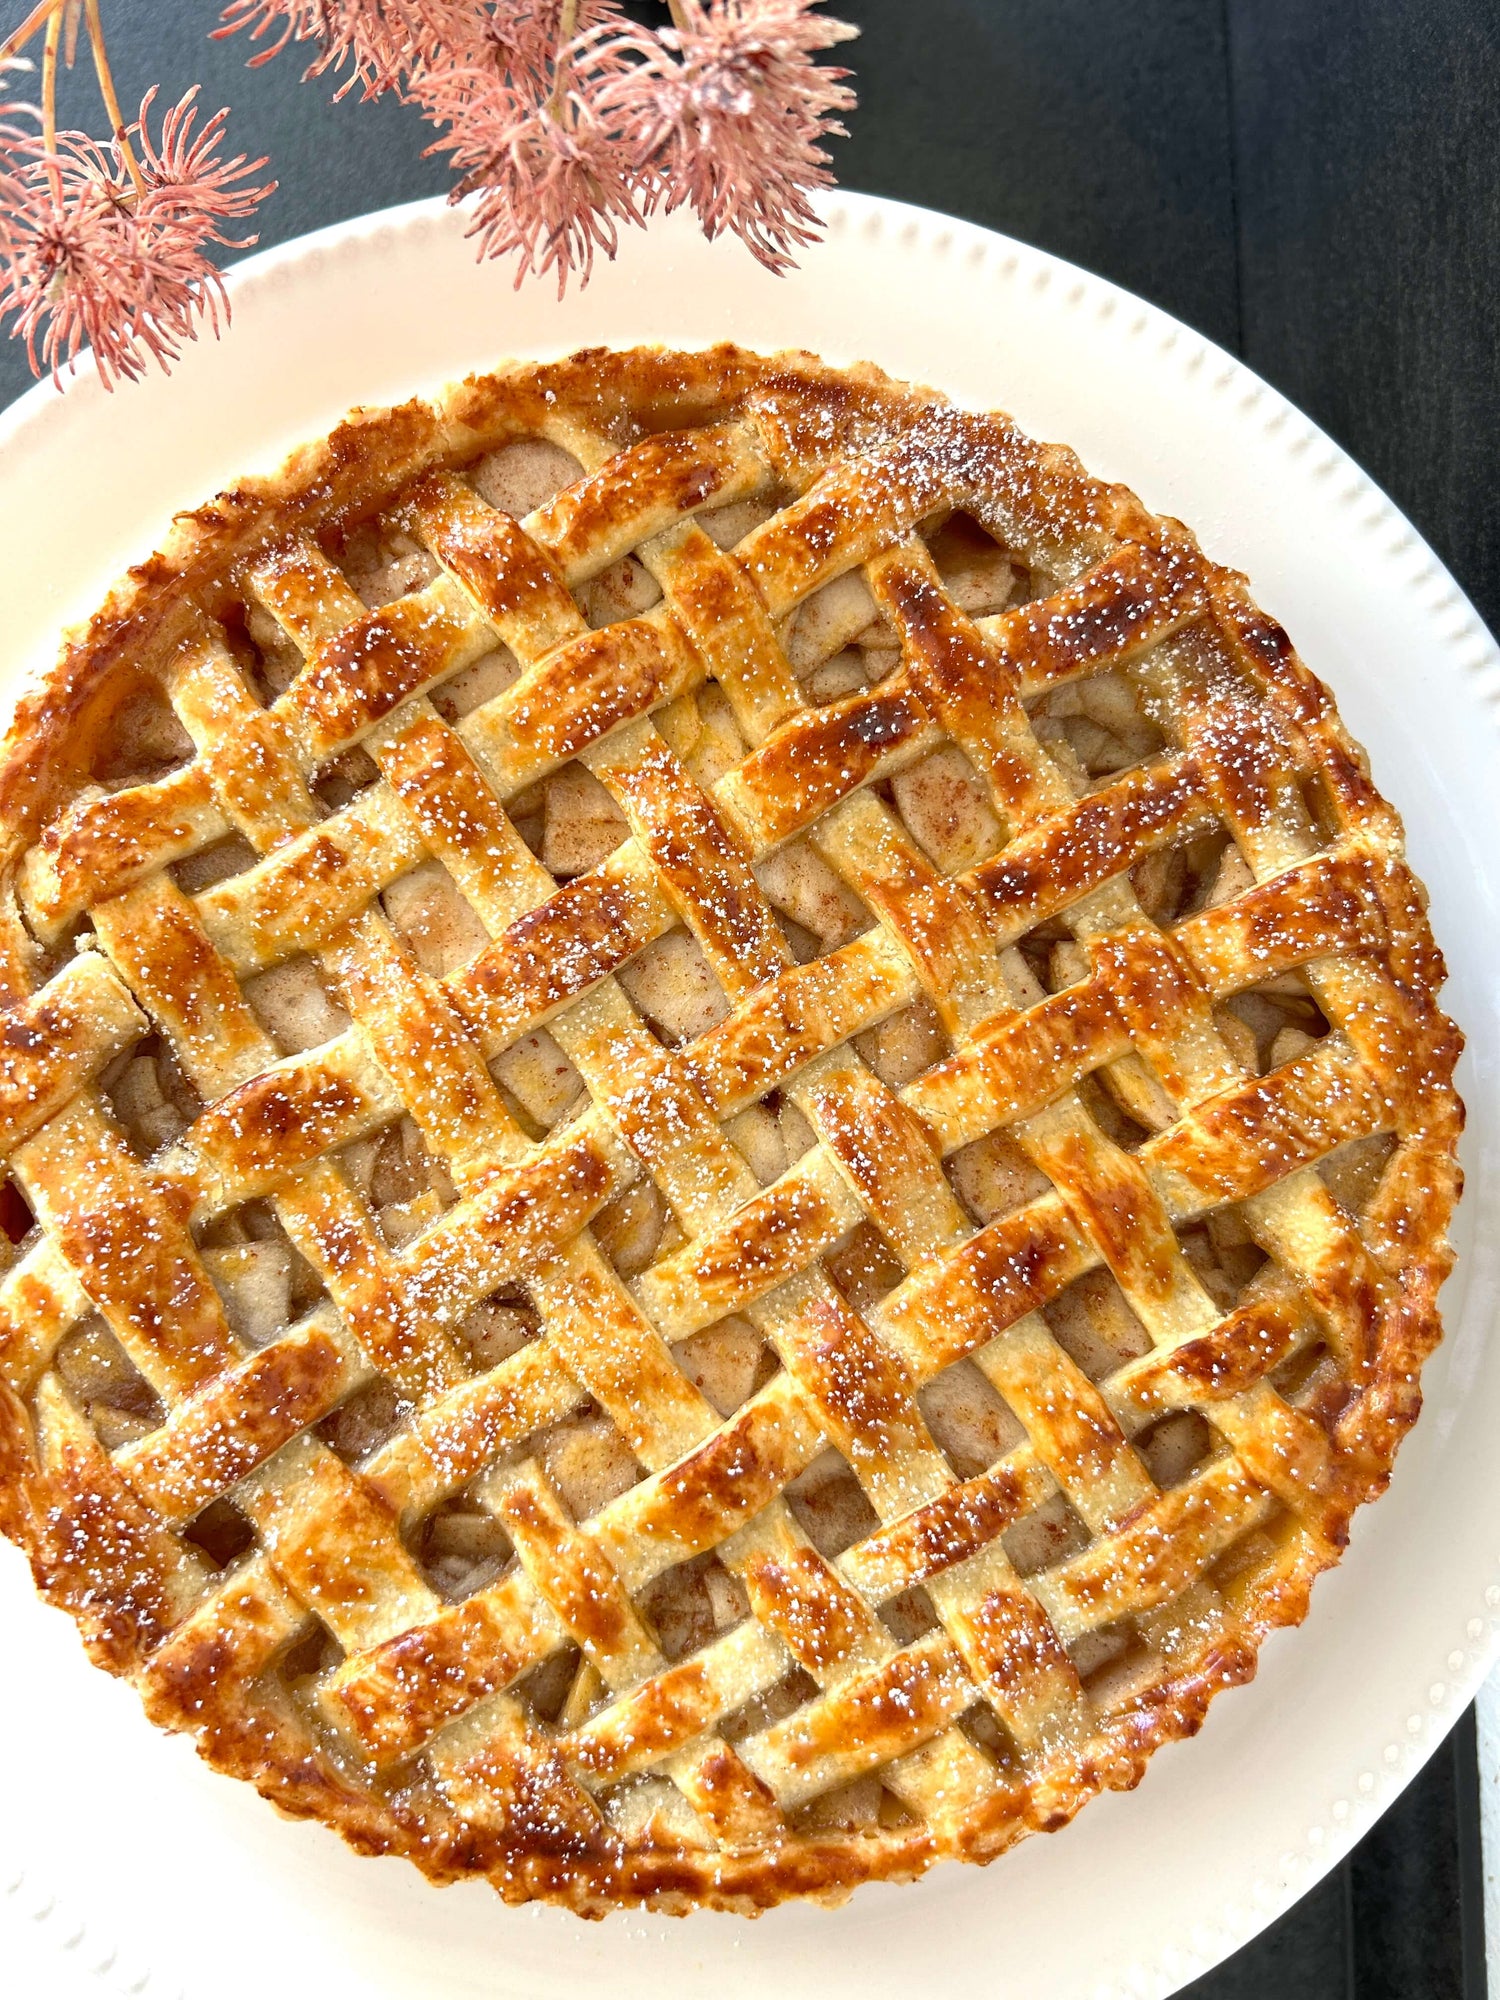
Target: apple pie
x=727 y=1136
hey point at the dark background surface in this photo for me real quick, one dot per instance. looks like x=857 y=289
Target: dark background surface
x=1313 y=183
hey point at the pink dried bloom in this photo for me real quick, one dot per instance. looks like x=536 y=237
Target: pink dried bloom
x=97 y=254
x=68 y=280
x=190 y=194
x=734 y=124
x=382 y=41
x=552 y=182
x=342 y=27
x=520 y=42
x=185 y=177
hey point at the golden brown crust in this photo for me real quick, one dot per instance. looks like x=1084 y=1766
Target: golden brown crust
x=320 y=1654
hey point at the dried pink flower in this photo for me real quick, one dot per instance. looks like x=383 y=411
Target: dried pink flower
x=553 y=183
x=183 y=171
x=113 y=251
x=190 y=194
x=728 y=111
x=382 y=41
x=66 y=279
x=521 y=42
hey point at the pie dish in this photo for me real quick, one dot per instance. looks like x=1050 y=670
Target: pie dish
x=728 y=1132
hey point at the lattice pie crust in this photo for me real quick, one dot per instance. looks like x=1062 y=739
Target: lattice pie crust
x=728 y=1136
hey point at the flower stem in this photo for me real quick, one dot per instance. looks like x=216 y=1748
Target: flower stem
x=679 y=15
x=17 y=40
x=107 y=92
x=49 y=82
x=567 y=22
x=49 y=104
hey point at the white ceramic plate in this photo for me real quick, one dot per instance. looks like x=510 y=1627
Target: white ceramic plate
x=151 y=1851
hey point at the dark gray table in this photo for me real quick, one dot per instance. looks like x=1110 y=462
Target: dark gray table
x=1313 y=183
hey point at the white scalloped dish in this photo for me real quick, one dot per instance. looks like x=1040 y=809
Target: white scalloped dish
x=1225 y=1832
